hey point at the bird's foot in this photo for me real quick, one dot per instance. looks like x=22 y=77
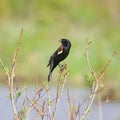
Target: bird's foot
x=62 y=67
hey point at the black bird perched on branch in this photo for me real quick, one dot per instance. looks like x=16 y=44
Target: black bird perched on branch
x=60 y=54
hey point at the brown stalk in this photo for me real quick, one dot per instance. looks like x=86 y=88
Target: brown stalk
x=10 y=77
x=59 y=92
x=71 y=115
x=96 y=84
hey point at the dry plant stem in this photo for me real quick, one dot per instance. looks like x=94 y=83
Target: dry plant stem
x=49 y=102
x=57 y=99
x=29 y=108
x=13 y=75
x=89 y=66
x=16 y=51
x=7 y=74
x=90 y=102
x=106 y=66
x=34 y=105
x=69 y=103
x=43 y=110
x=95 y=85
x=100 y=107
x=10 y=77
x=58 y=94
x=88 y=63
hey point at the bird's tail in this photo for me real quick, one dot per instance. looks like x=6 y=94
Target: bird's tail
x=50 y=76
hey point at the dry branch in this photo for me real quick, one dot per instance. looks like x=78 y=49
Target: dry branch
x=10 y=78
x=98 y=79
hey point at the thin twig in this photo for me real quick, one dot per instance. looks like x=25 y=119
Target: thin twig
x=59 y=93
x=6 y=72
x=49 y=102
x=95 y=85
x=90 y=102
x=100 y=107
x=33 y=104
x=69 y=103
x=13 y=75
x=88 y=62
x=16 y=51
x=106 y=66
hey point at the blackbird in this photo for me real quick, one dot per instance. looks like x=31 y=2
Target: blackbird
x=60 y=54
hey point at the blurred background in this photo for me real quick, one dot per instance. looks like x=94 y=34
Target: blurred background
x=45 y=22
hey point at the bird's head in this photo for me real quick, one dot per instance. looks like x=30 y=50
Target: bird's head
x=65 y=42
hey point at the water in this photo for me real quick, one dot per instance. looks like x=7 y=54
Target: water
x=110 y=111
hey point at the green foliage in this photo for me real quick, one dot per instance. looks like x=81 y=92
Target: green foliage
x=102 y=85
x=6 y=71
x=89 y=111
x=49 y=103
x=19 y=92
x=89 y=80
x=45 y=22
x=73 y=108
x=9 y=97
x=23 y=114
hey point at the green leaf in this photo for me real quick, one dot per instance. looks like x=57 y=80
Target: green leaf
x=73 y=108
x=49 y=102
x=45 y=83
x=89 y=42
x=89 y=79
x=18 y=94
x=6 y=71
x=102 y=85
x=9 y=97
x=89 y=110
x=23 y=113
x=91 y=39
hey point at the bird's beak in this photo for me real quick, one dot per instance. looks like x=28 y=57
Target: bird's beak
x=60 y=41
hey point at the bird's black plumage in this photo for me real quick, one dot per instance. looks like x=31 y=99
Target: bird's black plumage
x=60 y=54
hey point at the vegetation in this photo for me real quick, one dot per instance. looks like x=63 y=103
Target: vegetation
x=45 y=22
x=45 y=106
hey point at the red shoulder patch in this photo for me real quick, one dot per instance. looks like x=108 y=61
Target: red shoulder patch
x=61 y=50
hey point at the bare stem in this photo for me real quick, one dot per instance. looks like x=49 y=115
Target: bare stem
x=88 y=62
x=35 y=106
x=59 y=93
x=100 y=107
x=13 y=75
x=90 y=101
x=10 y=77
x=106 y=66
x=95 y=85
x=6 y=72
x=69 y=102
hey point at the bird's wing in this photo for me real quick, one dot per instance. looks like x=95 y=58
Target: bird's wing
x=60 y=50
x=57 y=52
